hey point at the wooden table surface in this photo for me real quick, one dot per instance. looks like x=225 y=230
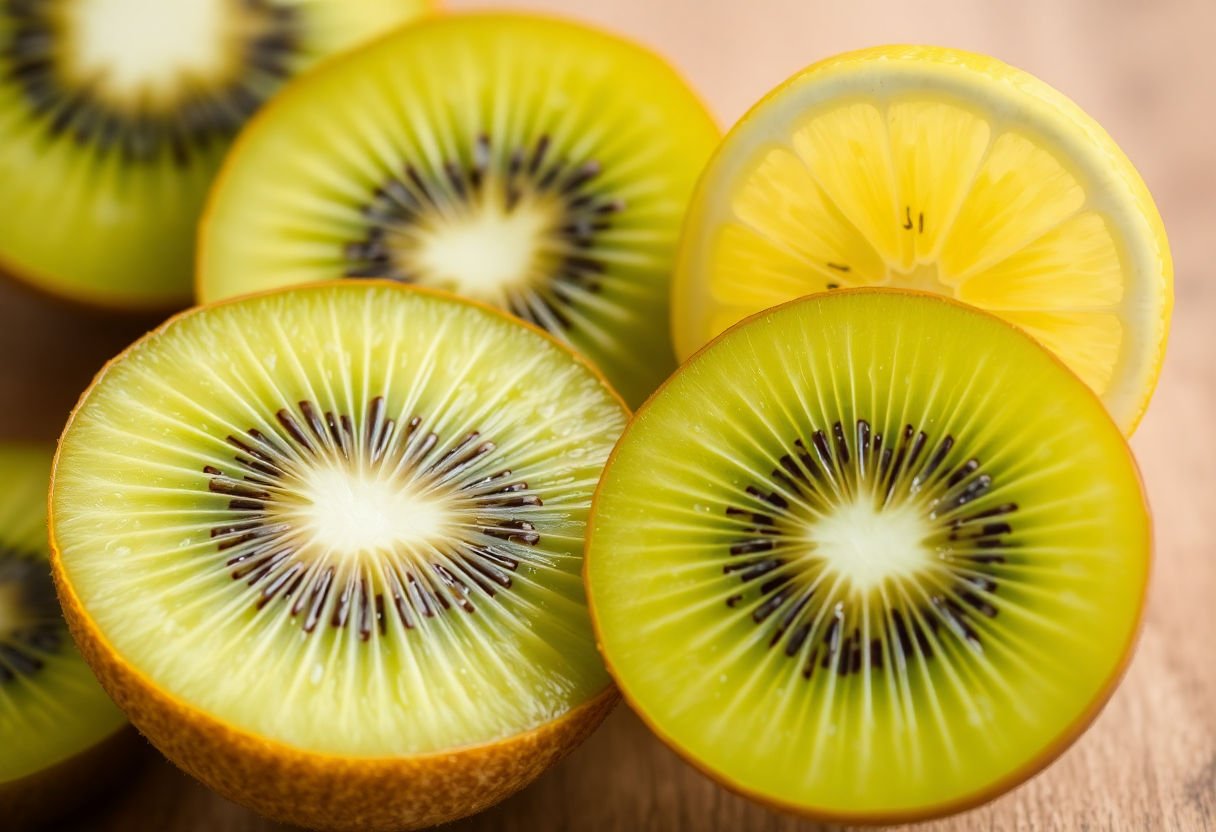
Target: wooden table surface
x=1147 y=70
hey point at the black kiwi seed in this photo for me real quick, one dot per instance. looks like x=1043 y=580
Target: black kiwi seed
x=39 y=631
x=414 y=193
x=971 y=543
x=29 y=59
x=270 y=561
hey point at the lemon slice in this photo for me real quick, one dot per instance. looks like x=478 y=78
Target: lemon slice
x=945 y=171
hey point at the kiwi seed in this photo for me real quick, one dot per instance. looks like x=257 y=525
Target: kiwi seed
x=272 y=560
x=398 y=211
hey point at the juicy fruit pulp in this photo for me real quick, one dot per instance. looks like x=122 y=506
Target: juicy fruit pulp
x=347 y=518
x=941 y=171
x=114 y=115
x=533 y=164
x=899 y=550
x=51 y=707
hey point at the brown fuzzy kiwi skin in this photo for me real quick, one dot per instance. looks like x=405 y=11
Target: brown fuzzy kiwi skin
x=1049 y=754
x=44 y=796
x=293 y=785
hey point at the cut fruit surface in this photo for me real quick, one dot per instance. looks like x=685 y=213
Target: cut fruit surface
x=941 y=171
x=114 y=115
x=348 y=519
x=51 y=707
x=533 y=164
x=870 y=555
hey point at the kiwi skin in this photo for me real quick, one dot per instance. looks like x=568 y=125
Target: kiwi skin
x=305 y=788
x=52 y=793
x=965 y=803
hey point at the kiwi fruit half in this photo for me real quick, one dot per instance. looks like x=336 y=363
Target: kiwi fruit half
x=56 y=723
x=869 y=556
x=324 y=546
x=534 y=164
x=114 y=115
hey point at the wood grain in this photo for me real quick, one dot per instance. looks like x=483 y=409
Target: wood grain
x=1147 y=71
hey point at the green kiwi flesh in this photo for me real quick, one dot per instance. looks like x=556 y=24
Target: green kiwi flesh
x=534 y=164
x=57 y=725
x=869 y=556
x=344 y=518
x=115 y=114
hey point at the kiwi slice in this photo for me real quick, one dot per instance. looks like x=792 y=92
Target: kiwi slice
x=534 y=164
x=54 y=717
x=869 y=556
x=114 y=115
x=324 y=546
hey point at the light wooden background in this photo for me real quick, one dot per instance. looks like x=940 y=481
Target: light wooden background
x=1147 y=70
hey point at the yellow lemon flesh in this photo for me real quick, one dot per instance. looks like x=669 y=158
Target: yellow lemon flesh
x=944 y=171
